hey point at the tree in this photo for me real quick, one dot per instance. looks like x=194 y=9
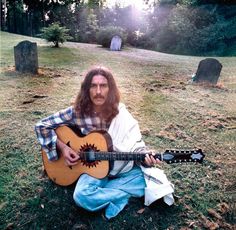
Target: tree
x=56 y=34
x=15 y=13
x=191 y=28
x=35 y=11
x=3 y=14
x=87 y=25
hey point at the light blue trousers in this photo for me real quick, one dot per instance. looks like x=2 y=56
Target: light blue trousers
x=112 y=194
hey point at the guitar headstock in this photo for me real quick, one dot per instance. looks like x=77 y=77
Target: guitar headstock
x=181 y=156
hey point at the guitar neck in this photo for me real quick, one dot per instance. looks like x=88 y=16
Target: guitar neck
x=169 y=156
x=120 y=156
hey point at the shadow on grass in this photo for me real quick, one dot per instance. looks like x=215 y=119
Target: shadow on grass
x=53 y=208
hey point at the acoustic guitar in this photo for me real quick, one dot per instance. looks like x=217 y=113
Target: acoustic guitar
x=95 y=151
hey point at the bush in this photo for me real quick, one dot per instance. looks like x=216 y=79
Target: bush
x=105 y=34
x=56 y=34
x=146 y=41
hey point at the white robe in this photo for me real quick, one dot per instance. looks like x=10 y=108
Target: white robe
x=126 y=137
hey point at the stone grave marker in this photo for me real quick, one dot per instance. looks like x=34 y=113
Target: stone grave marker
x=26 y=57
x=116 y=42
x=208 y=71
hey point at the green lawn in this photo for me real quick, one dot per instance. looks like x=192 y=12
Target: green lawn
x=172 y=113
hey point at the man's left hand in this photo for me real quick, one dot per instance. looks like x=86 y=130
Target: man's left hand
x=150 y=160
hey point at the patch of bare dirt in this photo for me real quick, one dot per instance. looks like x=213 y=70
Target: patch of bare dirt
x=173 y=132
x=55 y=73
x=218 y=123
x=21 y=90
x=42 y=72
x=165 y=83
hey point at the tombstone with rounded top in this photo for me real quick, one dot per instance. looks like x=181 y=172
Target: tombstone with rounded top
x=26 y=57
x=116 y=42
x=208 y=71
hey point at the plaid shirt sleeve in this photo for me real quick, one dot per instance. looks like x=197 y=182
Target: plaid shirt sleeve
x=45 y=130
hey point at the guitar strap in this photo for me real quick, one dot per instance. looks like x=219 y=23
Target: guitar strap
x=149 y=177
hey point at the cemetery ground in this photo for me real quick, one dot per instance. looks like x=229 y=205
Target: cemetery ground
x=172 y=113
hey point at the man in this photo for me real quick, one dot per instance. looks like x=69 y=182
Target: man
x=98 y=107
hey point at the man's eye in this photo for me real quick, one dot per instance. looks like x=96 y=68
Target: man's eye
x=93 y=86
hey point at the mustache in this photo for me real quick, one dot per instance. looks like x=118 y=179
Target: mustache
x=98 y=97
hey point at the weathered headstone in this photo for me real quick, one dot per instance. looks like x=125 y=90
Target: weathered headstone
x=208 y=71
x=116 y=42
x=26 y=57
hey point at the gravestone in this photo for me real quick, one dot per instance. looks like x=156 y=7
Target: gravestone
x=26 y=57
x=208 y=71
x=116 y=42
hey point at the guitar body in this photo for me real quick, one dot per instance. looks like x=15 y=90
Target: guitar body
x=65 y=175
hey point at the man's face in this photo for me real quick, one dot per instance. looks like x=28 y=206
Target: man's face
x=98 y=91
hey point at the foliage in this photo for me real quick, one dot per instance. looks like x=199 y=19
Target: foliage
x=128 y=18
x=189 y=28
x=105 y=35
x=15 y=16
x=183 y=29
x=196 y=27
x=56 y=34
x=95 y=3
x=88 y=26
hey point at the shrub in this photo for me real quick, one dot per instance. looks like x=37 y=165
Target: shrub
x=105 y=34
x=55 y=33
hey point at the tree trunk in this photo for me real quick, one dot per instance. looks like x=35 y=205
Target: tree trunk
x=56 y=44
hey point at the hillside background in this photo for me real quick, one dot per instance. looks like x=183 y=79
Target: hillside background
x=189 y=27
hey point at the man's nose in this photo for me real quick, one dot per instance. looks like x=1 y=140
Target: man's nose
x=98 y=89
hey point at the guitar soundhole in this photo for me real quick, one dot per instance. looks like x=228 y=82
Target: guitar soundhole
x=88 y=157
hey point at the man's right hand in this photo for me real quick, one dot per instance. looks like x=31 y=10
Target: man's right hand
x=70 y=156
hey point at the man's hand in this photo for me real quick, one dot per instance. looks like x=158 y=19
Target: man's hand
x=150 y=160
x=71 y=157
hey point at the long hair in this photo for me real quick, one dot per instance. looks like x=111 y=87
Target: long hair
x=83 y=103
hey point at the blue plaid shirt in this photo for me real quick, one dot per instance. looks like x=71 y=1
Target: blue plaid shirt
x=45 y=129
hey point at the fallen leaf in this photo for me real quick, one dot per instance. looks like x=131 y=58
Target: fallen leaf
x=213 y=213
x=223 y=208
x=209 y=224
x=140 y=211
x=191 y=224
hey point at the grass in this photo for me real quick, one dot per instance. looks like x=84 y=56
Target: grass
x=172 y=113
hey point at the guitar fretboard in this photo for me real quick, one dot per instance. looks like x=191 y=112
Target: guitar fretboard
x=169 y=156
x=124 y=156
